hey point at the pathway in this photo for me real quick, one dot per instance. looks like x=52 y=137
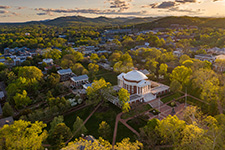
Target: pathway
x=84 y=122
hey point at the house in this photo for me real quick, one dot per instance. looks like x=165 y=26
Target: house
x=4 y=121
x=65 y=74
x=85 y=86
x=177 y=53
x=145 y=72
x=204 y=57
x=220 y=65
x=1 y=113
x=48 y=61
x=2 y=95
x=79 y=81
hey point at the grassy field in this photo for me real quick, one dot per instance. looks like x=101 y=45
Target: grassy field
x=107 y=114
x=109 y=77
x=193 y=102
x=171 y=97
x=137 y=123
x=137 y=110
x=124 y=132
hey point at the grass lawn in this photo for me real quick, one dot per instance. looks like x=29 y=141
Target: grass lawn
x=137 y=123
x=171 y=97
x=193 y=102
x=102 y=114
x=109 y=77
x=124 y=132
x=135 y=111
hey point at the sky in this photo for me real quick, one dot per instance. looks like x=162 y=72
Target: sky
x=35 y=10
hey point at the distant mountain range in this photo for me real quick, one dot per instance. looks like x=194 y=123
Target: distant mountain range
x=83 y=21
x=140 y=23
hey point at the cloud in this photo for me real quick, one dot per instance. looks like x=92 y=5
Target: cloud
x=167 y=4
x=186 y=1
x=163 y=5
x=49 y=11
x=121 y=4
x=3 y=12
x=20 y=7
x=8 y=13
x=4 y=7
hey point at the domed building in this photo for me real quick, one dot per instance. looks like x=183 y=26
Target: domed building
x=140 y=88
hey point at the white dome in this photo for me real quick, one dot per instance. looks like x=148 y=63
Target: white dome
x=135 y=75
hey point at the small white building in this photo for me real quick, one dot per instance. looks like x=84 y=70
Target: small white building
x=48 y=61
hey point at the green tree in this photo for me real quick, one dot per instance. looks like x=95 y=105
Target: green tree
x=124 y=98
x=94 y=58
x=104 y=130
x=98 y=90
x=183 y=58
x=22 y=100
x=54 y=123
x=181 y=74
x=175 y=86
x=52 y=53
x=30 y=72
x=7 y=110
x=93 y=68
x=60 y=134
x=163 y=69
x=188 y=63
x=170 y=129
x=78 y=125
x=23 y=135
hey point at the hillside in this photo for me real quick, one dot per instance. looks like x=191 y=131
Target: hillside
x=84 y=21
x=190 y=21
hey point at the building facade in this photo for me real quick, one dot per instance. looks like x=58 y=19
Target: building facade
x=139 y=87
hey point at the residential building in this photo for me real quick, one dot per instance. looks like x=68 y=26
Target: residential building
x=79 y=81
x=65 y=74
x=6 y=121
x=204 y=57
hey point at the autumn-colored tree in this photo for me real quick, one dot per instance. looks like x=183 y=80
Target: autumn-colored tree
x=23 y=135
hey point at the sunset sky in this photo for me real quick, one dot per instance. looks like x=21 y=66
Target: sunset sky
x=28 y=10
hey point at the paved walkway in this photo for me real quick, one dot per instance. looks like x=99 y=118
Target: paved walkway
x=84 y=122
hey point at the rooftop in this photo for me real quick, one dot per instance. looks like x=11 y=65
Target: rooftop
x=64 y=71
x=4 y=121
x=80 y=78
x=2 y=95
x=135 y=75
